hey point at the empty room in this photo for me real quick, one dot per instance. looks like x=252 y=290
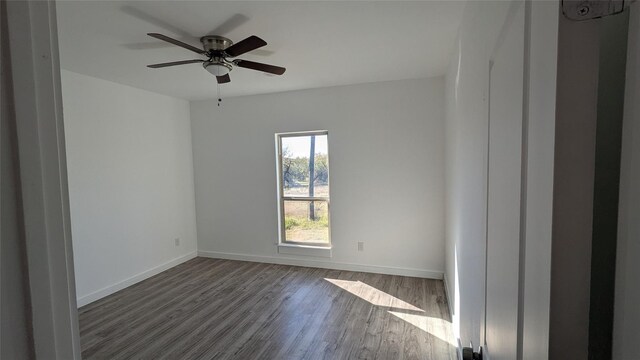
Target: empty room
x=319 y=179
x=273 y=215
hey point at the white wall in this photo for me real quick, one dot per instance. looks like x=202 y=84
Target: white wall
x=467 y=82
x=466 y=129
x=627 y=314
x=386 y=144
x=131 y=189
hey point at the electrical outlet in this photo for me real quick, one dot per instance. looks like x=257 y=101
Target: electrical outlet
x=177 y=241
x=360 y=246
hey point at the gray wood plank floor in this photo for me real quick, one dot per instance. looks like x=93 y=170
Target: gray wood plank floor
x=222 y=309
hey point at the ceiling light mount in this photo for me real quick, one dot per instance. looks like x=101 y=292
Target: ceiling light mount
x=215 y=43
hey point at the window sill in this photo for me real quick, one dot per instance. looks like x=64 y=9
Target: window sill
x=305 y=250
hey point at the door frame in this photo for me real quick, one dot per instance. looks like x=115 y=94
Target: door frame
x=35 y=70
x=538 y=144
x=513 y=9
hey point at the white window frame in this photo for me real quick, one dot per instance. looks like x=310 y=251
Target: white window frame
x=289 y=247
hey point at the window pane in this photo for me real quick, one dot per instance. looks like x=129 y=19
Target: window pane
x=306 y=221
x=305 y=158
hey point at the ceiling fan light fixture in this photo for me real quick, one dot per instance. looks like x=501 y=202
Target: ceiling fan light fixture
x=217 y=69
x=217 y=49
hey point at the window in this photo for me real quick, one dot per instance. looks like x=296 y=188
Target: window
x=303 y=188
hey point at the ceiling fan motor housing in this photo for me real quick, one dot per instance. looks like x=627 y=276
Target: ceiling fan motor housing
x=212 y=43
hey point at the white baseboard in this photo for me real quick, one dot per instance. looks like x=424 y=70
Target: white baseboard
x=429 y=274
x=449 y=303
x=448 y=294
x=99 y=294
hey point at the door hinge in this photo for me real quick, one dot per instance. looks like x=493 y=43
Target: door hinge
x=469 y=354
x=580 y=10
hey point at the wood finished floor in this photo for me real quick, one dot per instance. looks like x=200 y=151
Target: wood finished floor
x=222 y=309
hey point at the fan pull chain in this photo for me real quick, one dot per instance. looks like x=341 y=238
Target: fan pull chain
x=219 y=98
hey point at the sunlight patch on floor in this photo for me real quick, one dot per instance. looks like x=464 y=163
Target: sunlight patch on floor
x=372 y=295
x=434 y=326
x=413 y=315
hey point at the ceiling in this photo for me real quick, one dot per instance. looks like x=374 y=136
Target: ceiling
x=321 y=43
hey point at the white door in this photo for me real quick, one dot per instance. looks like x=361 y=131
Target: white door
x=504 y=179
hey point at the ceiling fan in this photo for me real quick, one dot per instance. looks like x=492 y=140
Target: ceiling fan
x=218 y=49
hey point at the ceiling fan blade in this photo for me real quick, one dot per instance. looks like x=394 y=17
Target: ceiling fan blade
x=177 y=42
x=223 y=79
x=277 y=70
x=262 y=52
x=228 y=25
x=141 y=15
x=174 y=63
x=251 y=43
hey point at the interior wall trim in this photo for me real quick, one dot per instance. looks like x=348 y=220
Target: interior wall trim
x=447 y=293
x=106 y=291
x=450 y=303
x=387 y=270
